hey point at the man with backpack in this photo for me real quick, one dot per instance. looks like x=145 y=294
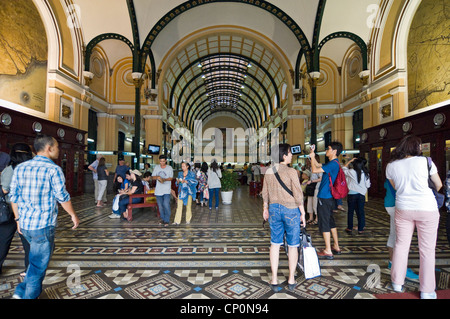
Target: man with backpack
x=328 y=193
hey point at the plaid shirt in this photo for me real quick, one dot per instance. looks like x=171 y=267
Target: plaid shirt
x=36 y=187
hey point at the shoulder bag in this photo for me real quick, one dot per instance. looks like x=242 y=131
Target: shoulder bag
x=439 y=197
x=6 y=213
x=281 y=182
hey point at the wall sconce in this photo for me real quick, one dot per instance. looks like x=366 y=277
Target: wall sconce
x=300 y=93
x=150 y=94
x=88 y=76
x=364 y=76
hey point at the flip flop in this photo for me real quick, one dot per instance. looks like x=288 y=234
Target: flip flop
x=275 y=288
x=291 y=287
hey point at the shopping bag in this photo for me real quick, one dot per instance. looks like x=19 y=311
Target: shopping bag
x=206 y=193
x=308 y=259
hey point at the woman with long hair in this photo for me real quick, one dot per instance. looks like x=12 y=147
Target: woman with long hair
x=415 y=208
x=358 y=182
x=187 y=191
x=202 y=184
x=314 y=183
x=20 y=153
x=103 y=174
x=136 y=187
x=214 y=184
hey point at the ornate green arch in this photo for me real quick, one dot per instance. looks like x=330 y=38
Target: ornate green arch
x=262 y=4
x=349 y=35
x=100 y=38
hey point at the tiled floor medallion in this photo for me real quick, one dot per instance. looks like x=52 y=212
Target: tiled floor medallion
x=237 y=287
x=160 y=287
x=89 y=287
x=320 y=288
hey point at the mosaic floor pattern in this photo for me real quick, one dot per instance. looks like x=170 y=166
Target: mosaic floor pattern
x=222 y=254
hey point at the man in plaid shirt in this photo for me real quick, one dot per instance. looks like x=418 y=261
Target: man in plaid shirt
x=36 y=188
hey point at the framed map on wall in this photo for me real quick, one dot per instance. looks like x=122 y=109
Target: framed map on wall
x=428 y=55
x=24 y=54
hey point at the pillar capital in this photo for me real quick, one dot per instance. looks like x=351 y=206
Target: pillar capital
x=314 y=78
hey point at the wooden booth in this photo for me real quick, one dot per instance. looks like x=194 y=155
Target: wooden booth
x=18 y=127
x=433 y=127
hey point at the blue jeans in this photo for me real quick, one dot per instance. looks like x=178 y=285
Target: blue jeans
x=42 y=244
x=356 y=203
x=214 y=192
x=123 y=203
x=284 y=220
x=164 y=207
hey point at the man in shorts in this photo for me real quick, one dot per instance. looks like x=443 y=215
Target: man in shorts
x=325 y=201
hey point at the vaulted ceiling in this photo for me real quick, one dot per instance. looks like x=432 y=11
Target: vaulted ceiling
x=230 y=56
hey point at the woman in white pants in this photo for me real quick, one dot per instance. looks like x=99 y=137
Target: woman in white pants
x=103 y=174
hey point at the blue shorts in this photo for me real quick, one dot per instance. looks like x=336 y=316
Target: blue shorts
x=283 y=220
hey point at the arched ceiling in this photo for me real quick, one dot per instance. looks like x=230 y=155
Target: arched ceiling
x=225 y=72
x=168 y=36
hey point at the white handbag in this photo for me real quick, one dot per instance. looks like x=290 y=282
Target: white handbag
x=308 y=259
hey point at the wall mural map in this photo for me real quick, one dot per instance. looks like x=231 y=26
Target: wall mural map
x=429 y=55
x=23 y=55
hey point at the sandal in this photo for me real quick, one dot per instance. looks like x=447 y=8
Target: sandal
x=291 y=287
x=274 y=288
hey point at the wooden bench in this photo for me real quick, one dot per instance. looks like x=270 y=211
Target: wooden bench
x=255 y=188
x=145 y=203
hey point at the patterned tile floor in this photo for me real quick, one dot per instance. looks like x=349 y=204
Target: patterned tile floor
x=222 y=254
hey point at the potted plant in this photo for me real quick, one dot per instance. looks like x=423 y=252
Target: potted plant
x=229 y=183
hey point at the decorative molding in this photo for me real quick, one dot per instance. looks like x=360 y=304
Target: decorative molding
x=152 y=117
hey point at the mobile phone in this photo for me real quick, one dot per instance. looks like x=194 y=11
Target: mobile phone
x=313 y=147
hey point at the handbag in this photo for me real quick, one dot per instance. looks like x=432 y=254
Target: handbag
x=310 y=189
x=308 y=259
x=440 y=198
x=6 y=213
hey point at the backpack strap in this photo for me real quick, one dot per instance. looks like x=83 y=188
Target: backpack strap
x=281 y=182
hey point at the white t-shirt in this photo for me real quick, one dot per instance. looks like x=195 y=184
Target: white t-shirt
x=410 y=177
x=214 y=178
x=163 y=188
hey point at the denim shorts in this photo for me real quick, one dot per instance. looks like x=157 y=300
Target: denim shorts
x=284 y=220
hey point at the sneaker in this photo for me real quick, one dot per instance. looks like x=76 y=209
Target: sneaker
x=397 y=288
x=15 y=296
x=411 y=275
x=114 y=216
x=428 y=295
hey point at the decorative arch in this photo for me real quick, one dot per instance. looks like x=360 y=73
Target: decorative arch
x=349 y=35
x=100 y=38
x=191 y=4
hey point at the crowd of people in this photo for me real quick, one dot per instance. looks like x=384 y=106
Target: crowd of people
x=197 y=182
x=409 y=201
x=34 y=185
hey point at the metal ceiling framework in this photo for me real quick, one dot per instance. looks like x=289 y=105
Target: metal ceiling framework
x=230 y=80
x=221 y=76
